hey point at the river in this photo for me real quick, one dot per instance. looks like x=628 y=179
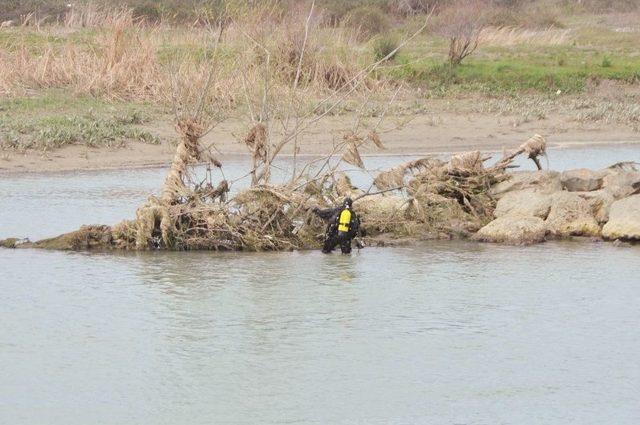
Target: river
x=439 y=333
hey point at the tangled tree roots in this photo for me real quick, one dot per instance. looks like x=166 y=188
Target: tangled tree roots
x=420 y=199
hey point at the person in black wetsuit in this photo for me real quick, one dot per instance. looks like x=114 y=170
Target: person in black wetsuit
x=343 y=225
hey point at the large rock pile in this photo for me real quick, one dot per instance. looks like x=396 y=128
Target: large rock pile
x=534 y=206
x=624 y=219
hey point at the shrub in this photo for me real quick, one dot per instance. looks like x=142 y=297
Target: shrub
x=406 y=8
x=147 y=9
x=384 y=46
x=501 y=17
x=368 y=20
x=18 y=9
x=545 y=19
x=606 y=62
x=461 y=23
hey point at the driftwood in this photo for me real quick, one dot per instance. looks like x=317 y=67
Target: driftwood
x=423 y=198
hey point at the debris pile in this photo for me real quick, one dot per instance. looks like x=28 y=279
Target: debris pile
x=421 y=199
x=425 y=198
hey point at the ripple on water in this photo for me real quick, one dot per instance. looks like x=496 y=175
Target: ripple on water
x=445 y=332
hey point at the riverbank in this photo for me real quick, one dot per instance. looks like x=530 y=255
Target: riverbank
x=443 y=127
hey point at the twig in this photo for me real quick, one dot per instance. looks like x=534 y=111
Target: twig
x=378 y=193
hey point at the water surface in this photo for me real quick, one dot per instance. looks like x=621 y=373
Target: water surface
x=440 y=333
x=445 y=333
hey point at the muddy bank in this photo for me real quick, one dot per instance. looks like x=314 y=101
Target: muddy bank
x=437 y=131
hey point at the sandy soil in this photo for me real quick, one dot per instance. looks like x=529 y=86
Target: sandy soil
x=427 y=133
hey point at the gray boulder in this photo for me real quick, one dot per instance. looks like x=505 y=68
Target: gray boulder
x=544 y=181
x=571 y=215
x=528 y=202
x=622 y=183
x=600 y=202
x=624 y=220
x=513 y=229
x=581 y=180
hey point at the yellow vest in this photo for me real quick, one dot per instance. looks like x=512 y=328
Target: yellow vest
x=344 y=221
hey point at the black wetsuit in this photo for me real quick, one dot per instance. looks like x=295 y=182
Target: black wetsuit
x=335 y=234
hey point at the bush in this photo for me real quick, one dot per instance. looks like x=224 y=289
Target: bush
x=544 y=19
x=148 y=10
x=608 y=6
x=406 y=8
x=606 y=62
x=384 y=46
x=500 y=17
x=540 y=15
x=461 y=23
x=369 y=21
x=17 y=9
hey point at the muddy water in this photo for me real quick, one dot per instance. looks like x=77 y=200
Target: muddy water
x=442 y=333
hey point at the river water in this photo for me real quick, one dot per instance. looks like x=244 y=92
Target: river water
x=440 y=333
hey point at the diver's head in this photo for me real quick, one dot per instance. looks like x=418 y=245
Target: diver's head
x=347 y=203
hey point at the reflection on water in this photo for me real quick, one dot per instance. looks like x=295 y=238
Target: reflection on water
x=448 y=332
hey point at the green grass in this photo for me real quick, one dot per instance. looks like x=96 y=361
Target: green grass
x=14 y=39
x=547 y=71
x=594 y=51
x=56 y=119
x=384 y=46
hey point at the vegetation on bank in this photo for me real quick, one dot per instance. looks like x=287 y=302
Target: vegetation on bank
x=93 y=64
x=57 y=119
x=335 y=11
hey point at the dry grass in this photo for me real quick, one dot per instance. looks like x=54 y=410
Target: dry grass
x=513 y=36
x=123 y=65
x=126 y=59
x=622 y=109
x=610 y=112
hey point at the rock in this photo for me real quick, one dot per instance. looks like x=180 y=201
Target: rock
x=624 y=220
x=570 y=215
x=513 y=229
x=600 y=202
x=544 y=181
x=622 y=184
x=528 y=202
x=581 y=180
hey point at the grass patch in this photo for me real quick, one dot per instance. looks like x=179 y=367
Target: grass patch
x=31 y=123
x=570 y=74
x=384 y=46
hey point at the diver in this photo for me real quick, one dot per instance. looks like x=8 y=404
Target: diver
x=343 y=225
